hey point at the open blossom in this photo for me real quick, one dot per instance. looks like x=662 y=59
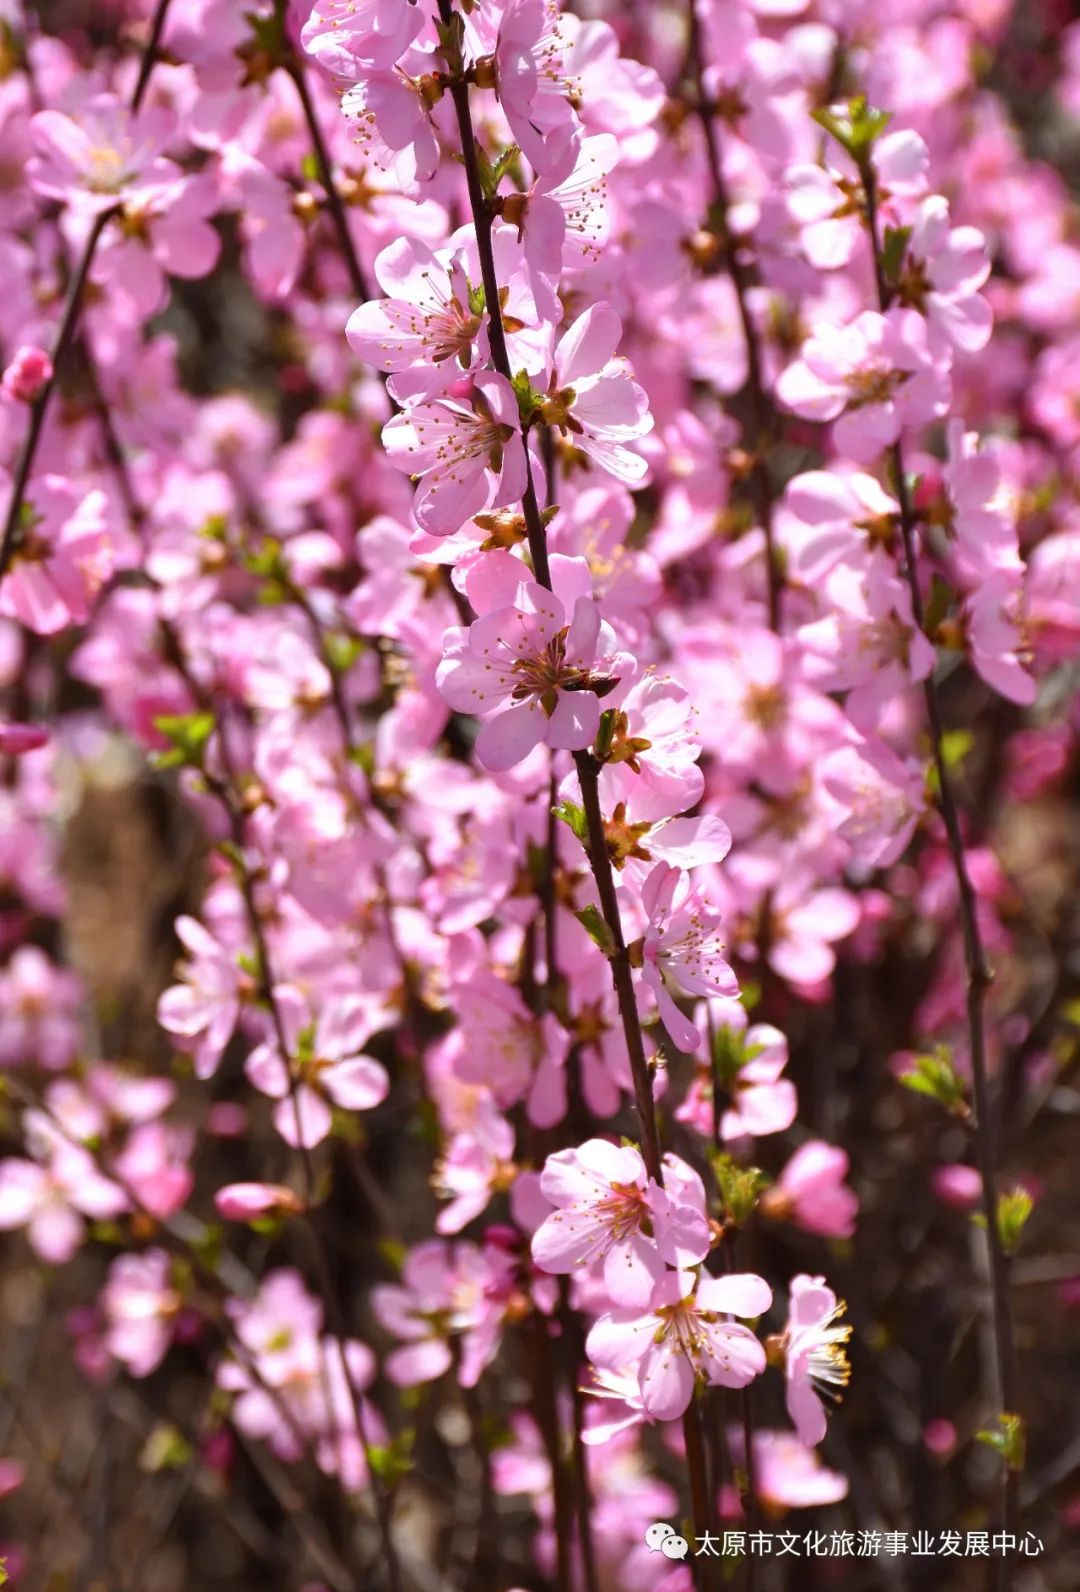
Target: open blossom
x=604 y=1203
x=592 y=397
x=104 y=157
x=345 y=35
x=824 y=202
x=995 y=637
x=684 y=1337
x=39 y=1012
x=448 y=1291
x=815 y=1364
x=63 y=557
x=868 y=643
x=811 y=1192
x=294 y=1388
x=681 y=949
x=563 y=220
x=430 y=319
x=201 y=1011
x=140 y=1305
x=532 y=77
x=874 y=377
x=325 y=1066
x=942 y=272
x=466 y=453
x=53 y=1195
x=538 y=661
x=763 y=1101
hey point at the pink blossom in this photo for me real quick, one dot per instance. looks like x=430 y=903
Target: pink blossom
x=815 y=1363
x=995 y=638
x=762 y=1100
x=103 y=158
x=140 y=1304
x=812 y=1193
x=202 y=1011
x=941 y=276
x=538 y=660
x=323 y=1069
x=684 y=1337
x=466 y=453
x=63 y=557
x=874 y=377
x=447 y=1291
x=681 y=950
x=592 y=397
x=477 y=1163
x=603 y=1201
x=39 y=1012
x=52 y=1195
x=347 y=34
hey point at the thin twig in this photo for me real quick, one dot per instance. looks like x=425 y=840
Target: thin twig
x=69 y=320
x=977 y=967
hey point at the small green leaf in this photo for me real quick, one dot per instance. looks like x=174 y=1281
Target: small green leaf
x=574 y=818
x=1007 y=1438
x=166 y=1448
x=187 y=734
x=893 y=251
x=1014 y=1206
x=855 y=127
x=528 y=400
x=392 y=1461
x=341 y=650
x=605 y=735
x=955 y=746
x=592 y=922
x=739 y=1187
x=493 y=172
x=935 y=1076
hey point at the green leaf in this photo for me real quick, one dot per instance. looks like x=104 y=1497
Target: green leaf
x=528 y=400
x=493 y=172
x=935 y=1076
x=393 y=1461
x=341 y=650
x=893 y=250
x=1014 y=1206
x=855 y=127
x=451 y=43
x=605 y=735
x=187 y=734
x=574 y=818
x=739 y=1187
x=955 y=746
x=1006 y=1438
x=166 y=1448
x=591 y=920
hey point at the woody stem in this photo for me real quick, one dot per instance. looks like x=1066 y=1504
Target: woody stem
x=977 y=966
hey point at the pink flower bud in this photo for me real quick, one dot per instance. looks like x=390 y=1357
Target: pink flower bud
x=28 y=372
x=957 y=1185
x=245 y=1202
x=15 y=739
x=939 y=1437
